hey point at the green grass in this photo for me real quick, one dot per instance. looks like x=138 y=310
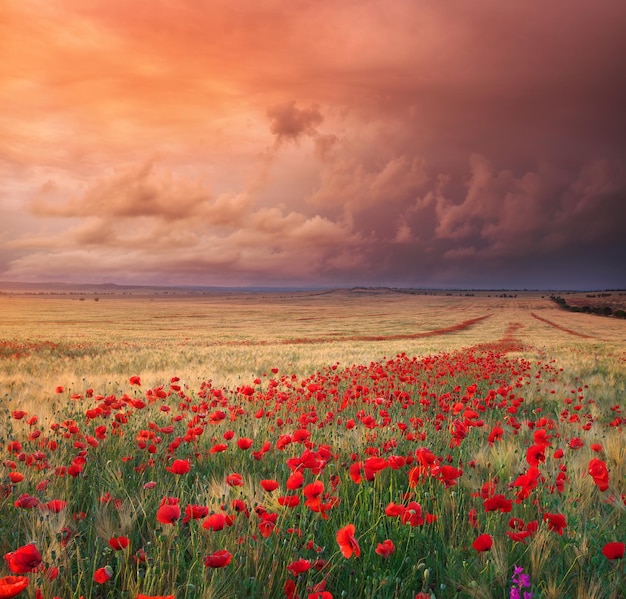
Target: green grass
x=411 y=388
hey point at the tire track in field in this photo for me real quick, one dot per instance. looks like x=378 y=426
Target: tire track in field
x=466 y=324
x=560 y=328
x=510 y=341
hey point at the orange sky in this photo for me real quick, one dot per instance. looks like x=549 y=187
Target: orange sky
x=313 y=143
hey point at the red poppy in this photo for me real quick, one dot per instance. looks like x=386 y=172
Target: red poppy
x=541 y=437
x=118 y=543
x=266 y=528
x=269 y=485
x=314 y=490
x=289 y=500
x=483 y=543
x=355 y=472
x=24 y=559
x=556 y=522
x=239 y=505
x=576 y=443
x=264 y=449
x=25 y=502
x=169 y=510
x=218 y=559
x=535 y=454
x=498 y=503
x=396 y=462
x=16 y=477
x=527 y=482
x=295 y=481
x=247 y=390
x=14 y=447
x=386 y=548
x=215 y=522
x=613 y=550
x=519 y=537
x=374 y=465
x=472 y=516
x=412 y=515
x=12 y=586
x=179 y=467
x=101 y=575
x=561 y=479
x=18 y=415
x=447 y=475
x=290 y=589
x=600 y=473
x=495 y=435
x=347 y=542
x=299 y=566
x=56 y=505
x=244 y=443
x=195 y=512
x=393 y=510
x=234 y=480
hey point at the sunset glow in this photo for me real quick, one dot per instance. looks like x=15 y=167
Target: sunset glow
x=239 y=143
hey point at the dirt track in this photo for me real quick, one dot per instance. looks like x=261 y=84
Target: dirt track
x=558 y=326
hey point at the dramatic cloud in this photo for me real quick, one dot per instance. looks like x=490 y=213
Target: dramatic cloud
x=314 y=143
x=288 y=123
x=143 y=192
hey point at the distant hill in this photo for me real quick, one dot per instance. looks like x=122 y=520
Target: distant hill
x=103 y=289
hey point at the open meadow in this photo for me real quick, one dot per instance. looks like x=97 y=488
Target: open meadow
x=362 y=443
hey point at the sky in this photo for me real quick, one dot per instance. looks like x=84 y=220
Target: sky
x=315 y=143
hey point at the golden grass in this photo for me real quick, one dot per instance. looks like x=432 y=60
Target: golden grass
x=231 y=338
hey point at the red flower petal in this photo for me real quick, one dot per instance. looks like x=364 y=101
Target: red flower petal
x=613 y=550
x=347 y=542
x=11 y=586
x=483 y=543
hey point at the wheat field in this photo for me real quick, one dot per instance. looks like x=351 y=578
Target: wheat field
x=64 y=357
x=227 y=337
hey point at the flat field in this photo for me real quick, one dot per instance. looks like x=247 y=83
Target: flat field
x=406 y=415
x=231 y=338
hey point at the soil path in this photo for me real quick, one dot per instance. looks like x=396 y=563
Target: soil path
x=510 y=341
x=560 y=328
x=466 y=324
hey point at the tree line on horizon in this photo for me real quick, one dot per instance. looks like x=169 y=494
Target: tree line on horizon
x=598 y=310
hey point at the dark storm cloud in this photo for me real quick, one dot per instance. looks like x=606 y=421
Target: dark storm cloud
x=434 y=142
x=288 y=122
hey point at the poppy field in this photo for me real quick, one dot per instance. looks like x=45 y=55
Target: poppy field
x=311 y=446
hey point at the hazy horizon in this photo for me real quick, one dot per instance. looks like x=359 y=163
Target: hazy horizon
x=73 y=286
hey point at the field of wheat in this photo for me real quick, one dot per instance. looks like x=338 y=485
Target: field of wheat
x=349 y=443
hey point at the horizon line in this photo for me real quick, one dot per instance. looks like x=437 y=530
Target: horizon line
x=294 y=288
